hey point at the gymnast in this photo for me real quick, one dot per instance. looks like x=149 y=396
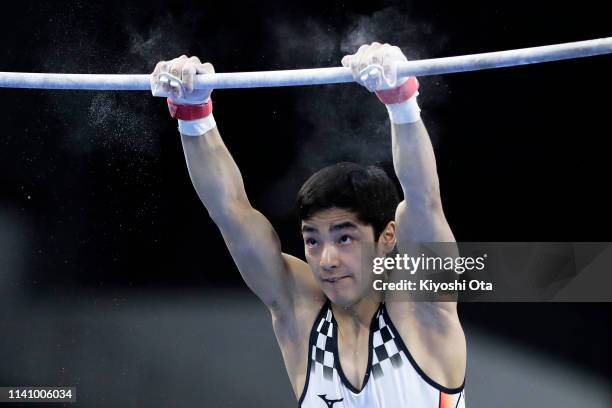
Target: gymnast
x=343 y=345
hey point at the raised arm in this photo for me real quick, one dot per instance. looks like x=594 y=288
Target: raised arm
x=254 y=245
x=431 y=329
x=419 y=217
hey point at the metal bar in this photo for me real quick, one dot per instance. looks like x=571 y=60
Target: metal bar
x=315 y=76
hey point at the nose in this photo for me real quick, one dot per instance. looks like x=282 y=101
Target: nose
x=329 y=258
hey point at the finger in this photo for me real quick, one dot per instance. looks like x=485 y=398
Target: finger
x=188 y=76
x=162 y=67
x=188 y=73
x=374 y=79
x=153 y=79
x=175 y=94
x=376 y=53
x=375 y=57
x=362 y=48
x=396 y=51
x=364 y=61
x=389 y=65
x=385 y=62
x=373 y=53
x=206 y=68
x=361 y=51
x=158 y=87
x=346 y=61
x=177 y=65
x=192 y=61
x=355 y=60
x=355 y=68
x=157 y=68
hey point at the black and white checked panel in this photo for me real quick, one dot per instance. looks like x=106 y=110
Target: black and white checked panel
x=322 y=357
x=386 y=354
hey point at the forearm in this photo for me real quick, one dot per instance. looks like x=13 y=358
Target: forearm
x=214 y=173
x=249 y=236
x=212 y=169
x=420 y=217
x=415 y=165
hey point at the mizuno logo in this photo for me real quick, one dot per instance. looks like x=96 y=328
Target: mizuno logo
x=330 y=403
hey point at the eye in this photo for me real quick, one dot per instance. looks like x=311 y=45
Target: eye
x=310 y=242
x=345 y=239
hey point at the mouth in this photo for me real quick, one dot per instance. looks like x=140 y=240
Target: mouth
x=335 y=279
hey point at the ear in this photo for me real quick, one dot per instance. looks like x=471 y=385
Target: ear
x=387 y=238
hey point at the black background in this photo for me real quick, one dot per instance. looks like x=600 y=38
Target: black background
x=95 y=185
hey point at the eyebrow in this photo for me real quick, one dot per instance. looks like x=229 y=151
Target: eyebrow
x=337 y=227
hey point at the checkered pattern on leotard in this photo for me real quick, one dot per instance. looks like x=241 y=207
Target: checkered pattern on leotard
x=322 y=352
x=392 y=379
x=386 y=349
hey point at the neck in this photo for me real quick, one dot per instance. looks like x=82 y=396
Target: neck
x=352 y=319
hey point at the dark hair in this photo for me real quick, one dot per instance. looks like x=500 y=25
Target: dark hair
x=366 y=191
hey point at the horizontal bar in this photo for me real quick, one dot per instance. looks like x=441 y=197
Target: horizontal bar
x=315 y=76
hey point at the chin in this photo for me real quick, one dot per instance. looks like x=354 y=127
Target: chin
x=341 y=302
x=346 y=299
x=341 y=299
x=335 y=297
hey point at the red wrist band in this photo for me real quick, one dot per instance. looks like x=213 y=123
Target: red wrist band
x=190 y=112
x=400 y=94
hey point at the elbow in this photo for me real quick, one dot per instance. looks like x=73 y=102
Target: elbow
x=428 y=202
x=230 y=213
x=434 y=204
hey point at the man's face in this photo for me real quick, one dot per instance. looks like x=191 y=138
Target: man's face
x=339 y=250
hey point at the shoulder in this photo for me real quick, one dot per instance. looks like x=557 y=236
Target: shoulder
x=434 y=338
